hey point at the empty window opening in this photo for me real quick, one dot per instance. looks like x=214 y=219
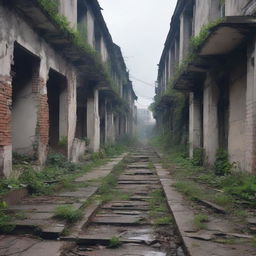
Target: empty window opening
x=58 y=102
x=81 y=125
x=25 y=72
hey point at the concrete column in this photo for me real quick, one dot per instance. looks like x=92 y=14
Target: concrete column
x=250 y=125
x=195 y=136
x=109 y=118
x=93 y=120
x=210 y=116
x=6 y=54
x=185 y=33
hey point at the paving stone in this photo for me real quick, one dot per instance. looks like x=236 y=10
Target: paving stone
x=125 y=250
x=28 y=246
x=80 y=193
x=117 y=219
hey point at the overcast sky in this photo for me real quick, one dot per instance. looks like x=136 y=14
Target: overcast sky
x=140 y=28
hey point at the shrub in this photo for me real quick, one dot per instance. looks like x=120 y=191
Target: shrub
x=198 y=157
x=222 y=166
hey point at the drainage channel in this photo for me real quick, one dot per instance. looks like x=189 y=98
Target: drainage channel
x=136 y=225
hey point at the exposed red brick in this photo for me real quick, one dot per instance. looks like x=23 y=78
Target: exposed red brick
x=43 y=116
x=5 y=110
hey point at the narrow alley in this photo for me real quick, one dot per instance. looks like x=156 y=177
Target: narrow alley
x=127 y=128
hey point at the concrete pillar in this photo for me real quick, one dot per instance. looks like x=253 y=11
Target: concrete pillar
x=93 y=120
x=109 y=119
x=250 y=126
x=185 y=34
x=210 y=116
x=6 y=54
x=195 y=119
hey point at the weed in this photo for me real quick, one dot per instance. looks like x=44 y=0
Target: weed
x=222 y=166
x=158 y=208
x=5 y=219
x=106 y=190
x=189 y=188
x=68 y=213
x=63 y=141
x=20 y=216
x=151 y=166
x=115 y=242
x=166 y=220
x=200 y=221
x=198 y=157
x=222 y=199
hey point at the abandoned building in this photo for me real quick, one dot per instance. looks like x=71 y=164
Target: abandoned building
x=213 y=44
x=64 y=83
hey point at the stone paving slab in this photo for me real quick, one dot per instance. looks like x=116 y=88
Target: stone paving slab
x=39 y=211
x=117 y=219
x=126 y=250
x=84 y=193
x=28 y=246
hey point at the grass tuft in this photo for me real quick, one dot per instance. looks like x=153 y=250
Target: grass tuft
x=200 y=221
x=68 y=213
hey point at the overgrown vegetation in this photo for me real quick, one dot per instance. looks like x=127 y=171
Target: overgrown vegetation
x=107 y=190
x=159 y=211
x=115 y=242
x=5 y=219
x=78 y=38
x=222 y=166
x=200 y=221
x=68 y=213
x=192 y=56
x=232 y=189
x=58 y=172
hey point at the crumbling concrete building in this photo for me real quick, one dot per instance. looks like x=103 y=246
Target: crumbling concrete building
x=213 y=43
x=63 y=82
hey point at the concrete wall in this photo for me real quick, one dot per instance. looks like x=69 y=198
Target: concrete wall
x=236 y=7
x=205 y=12
x=104 y=51
x=237 y=116
x=68 y=8
x=14 y=29
x=90 y=28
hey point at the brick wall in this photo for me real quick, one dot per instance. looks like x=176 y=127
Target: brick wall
x=5 y=110
x=43 y=115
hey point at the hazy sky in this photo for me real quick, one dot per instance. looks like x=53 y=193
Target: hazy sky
x=140 y=28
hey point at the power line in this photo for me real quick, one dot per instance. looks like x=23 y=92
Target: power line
x=139 y=80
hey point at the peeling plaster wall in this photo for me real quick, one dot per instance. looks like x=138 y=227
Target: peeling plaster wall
x=205 y=12
x=68 y=8
x=90 y=28
x=236 y=7
x=14 y=28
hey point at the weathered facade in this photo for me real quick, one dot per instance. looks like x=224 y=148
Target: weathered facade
x=214 y=44
x=60 y=89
